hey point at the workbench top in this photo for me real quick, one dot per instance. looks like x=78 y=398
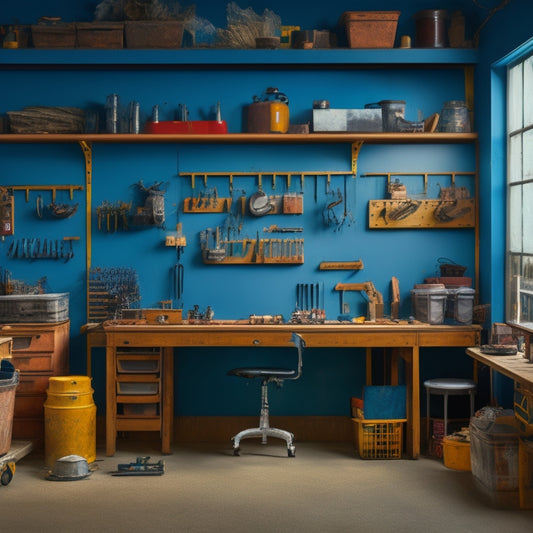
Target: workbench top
x=516 y=367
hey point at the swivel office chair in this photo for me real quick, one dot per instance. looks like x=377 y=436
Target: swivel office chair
x=269 y=375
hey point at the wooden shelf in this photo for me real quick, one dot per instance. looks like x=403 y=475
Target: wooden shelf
x=245 y=138
x=211 y=57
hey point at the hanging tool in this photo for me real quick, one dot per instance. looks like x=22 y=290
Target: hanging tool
x=178 y=271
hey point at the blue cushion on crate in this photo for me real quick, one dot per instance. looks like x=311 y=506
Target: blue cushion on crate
x=385 y=402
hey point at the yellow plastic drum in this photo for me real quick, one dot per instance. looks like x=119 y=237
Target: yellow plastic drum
x=69 y=419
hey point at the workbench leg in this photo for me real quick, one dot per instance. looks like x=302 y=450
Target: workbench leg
x=412 y=371
x=167 y=416
x=525 y=474
x=369 y=366
x=111 y=402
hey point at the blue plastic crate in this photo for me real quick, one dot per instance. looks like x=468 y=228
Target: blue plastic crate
x=385 y=402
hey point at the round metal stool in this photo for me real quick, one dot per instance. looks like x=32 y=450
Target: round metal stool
x=448 y=387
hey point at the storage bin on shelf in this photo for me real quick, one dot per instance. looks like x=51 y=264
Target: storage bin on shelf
x=370 y=29
x=53 y=307
x=460 y=305
x=379 y=439
x=429 y=304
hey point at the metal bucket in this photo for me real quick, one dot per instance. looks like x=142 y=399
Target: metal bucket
x=454 y=117
x=69 y=419
x=391 y=111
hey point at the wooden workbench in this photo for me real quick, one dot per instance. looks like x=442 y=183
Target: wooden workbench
x=405 y=339
x=516 y=367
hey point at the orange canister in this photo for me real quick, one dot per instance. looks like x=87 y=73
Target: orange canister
x=269 y=113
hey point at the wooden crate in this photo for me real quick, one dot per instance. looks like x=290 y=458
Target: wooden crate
x=100 y=34
x=59 y=36
x=153 y=34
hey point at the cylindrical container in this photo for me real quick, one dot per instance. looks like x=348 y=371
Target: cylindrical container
x=134 y=117
x=279 y=117
x=431 y=30
x=69 y=419
x=268 y=117
x=112 y=118
x=9 y=379
x=391 y=110
x=454 y=117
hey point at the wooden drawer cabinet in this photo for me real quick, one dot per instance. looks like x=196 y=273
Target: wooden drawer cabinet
x=139 y=392
x=39 y=351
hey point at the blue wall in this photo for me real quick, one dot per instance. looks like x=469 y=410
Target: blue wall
x=235 y=292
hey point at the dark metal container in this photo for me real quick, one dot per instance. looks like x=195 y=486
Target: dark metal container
x=431 y=28
x=454 y=117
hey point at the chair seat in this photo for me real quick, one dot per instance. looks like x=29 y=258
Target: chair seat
x=449 y=385
x=262 y=372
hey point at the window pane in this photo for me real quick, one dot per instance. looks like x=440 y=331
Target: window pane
x=515 y=219
x=527 y=155
x=528 y=91
x=514 y=98
x=515 y=158
x=527 y=210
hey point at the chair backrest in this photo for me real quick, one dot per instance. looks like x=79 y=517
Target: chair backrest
x=300 y=345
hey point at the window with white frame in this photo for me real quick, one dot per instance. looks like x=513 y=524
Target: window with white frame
x=520 y=194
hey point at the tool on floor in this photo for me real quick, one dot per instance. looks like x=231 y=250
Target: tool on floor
x=375 y=298
x=141 y=467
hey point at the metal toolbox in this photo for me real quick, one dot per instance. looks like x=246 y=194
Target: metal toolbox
x=53 y=307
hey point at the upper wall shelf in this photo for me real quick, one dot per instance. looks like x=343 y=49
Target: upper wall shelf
x=245 y=138
x=185 y=57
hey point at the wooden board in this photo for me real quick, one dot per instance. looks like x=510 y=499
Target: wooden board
x=206 y=205
x=381 y=214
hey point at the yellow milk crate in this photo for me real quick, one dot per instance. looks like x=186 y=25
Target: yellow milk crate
x=379 y=439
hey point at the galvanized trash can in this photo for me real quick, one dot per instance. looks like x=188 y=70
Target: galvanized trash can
x=9 y=379
x=69 y=419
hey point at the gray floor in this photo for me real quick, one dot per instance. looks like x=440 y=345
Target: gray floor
x=325 y=488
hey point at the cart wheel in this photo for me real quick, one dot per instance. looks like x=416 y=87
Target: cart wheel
x=291 y=452
x=236 y=451
x=7 y=476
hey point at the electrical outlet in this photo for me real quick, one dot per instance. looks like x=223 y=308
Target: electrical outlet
x=346 y=308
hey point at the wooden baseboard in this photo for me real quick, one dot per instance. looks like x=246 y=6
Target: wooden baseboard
x=222 y=428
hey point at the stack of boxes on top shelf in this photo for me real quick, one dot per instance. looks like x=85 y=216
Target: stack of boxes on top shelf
x=448 y=299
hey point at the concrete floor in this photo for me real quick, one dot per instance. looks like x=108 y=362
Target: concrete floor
x=325 y=488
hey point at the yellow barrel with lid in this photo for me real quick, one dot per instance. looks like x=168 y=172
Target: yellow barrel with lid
x=69 y=419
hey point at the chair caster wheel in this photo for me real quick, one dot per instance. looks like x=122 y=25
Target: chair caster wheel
x=291 y=452
x=236 y=451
